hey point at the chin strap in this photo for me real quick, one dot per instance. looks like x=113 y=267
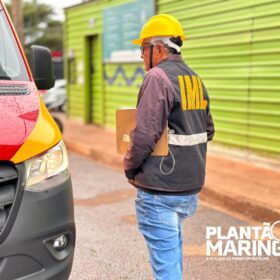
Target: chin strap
x=151 y=56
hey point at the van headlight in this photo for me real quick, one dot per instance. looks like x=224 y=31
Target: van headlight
x=48 y=165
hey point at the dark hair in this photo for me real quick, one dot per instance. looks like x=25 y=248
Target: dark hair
x=176 y=40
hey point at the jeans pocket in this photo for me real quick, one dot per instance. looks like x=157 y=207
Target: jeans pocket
x=171 y=208
x=167 y=215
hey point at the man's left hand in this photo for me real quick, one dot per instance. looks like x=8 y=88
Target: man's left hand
x=130 y=174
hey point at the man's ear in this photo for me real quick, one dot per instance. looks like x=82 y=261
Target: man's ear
x=159 y=50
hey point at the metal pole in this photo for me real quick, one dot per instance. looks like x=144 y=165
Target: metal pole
x=17 y=18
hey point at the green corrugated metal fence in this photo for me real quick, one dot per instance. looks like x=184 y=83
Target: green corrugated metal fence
x=87 y=91
x=234 y=46
x=122 y=86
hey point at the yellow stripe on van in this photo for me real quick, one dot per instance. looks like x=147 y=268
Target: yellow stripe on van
x=44 y=135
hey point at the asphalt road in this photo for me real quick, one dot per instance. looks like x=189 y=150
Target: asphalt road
x=110 y=247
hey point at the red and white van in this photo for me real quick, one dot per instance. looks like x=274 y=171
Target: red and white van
x=37 y=228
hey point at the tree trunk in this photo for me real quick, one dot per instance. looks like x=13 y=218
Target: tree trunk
x=17 y=19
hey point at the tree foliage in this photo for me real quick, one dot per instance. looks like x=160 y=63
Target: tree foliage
x=39 y=26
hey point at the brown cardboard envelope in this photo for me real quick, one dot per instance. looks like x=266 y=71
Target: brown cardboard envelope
x=126 y=121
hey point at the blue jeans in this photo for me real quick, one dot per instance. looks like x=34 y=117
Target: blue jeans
x=159 y=220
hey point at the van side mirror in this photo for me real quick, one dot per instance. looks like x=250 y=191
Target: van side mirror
x=42 y=67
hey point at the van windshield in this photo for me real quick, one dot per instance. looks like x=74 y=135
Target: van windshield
x=12 y=66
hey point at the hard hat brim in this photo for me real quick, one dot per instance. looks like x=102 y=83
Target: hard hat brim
x=183 y=38
x=137 y=41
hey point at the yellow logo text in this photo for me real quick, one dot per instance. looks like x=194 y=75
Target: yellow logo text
x=192 y=93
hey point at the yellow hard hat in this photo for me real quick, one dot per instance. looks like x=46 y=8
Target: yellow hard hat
x=162 y=25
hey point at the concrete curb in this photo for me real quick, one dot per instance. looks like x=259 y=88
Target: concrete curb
x=237 y=204
x=104 y=157
x=240 y=205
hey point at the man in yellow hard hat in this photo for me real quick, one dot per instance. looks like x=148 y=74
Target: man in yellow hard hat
x=167 y=187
